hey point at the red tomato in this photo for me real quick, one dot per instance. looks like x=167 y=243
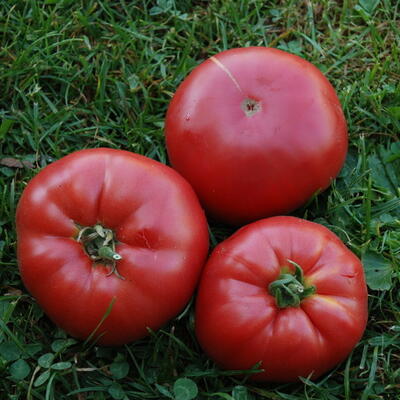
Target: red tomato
x=285 y=292
x=103 y=230
x=256 y=131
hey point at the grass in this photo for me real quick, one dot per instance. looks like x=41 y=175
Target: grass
x=79 y=74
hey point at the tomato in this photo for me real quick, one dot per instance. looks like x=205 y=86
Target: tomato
x=110 y=242
x=257 y=132
x=285 y=292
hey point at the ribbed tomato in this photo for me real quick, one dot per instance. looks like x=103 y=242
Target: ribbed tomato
x=110 y=243
x=283 y=292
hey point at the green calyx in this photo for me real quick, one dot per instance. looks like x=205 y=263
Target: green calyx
x=99 y=244
x=290 y=289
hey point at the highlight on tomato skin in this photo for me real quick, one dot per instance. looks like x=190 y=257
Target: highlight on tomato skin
x=257 y=132
x=110 y=244
x=282 y=293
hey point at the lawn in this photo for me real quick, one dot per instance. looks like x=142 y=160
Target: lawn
x=78 y=74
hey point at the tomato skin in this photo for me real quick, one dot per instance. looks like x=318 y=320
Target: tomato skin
x=238 y=323
x=244 y=168
x=161 y=232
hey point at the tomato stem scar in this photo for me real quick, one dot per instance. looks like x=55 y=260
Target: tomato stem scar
x=250 y=107
x=289 y=289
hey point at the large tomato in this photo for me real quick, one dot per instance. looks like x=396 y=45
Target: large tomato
x=256 y=131
x=284 y=292
x=110 y=242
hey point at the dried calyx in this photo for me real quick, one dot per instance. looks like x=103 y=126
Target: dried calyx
x=99 y=244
